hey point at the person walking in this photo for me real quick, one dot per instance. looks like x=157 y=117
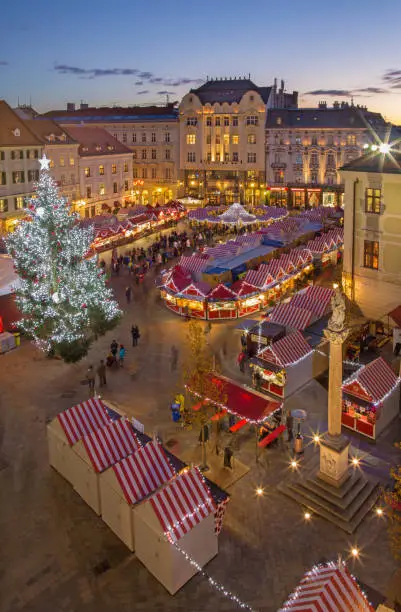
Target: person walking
x=90 y=377
x=121 y=355
x=114 y=349
x=101 y=372
x=290 y=423
x=134 y=335
x=241 y=361
x=174 y=358
x=128 y=293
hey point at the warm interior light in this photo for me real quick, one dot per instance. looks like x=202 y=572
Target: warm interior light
x=355 y=552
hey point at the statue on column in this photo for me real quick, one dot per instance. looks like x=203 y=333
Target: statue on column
x=337 y=319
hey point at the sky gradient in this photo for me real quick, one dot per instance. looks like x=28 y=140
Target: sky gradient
x=120 y=52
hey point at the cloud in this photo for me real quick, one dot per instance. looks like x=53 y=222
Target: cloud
x=371 y=90
x=138 y=82
x=329 y=92
x=166 y=93
x=145 y=75
x=143 y=92
x=392 y=78
x=3 y=63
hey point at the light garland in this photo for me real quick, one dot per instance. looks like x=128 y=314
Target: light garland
x=355 y=378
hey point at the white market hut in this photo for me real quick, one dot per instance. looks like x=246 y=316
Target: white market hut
x=70 y=426
x=96 y=453
x=285 y=365
x=127 y=483
x=180 y=517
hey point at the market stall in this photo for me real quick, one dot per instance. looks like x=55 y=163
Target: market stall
x=68 y=428
x=97 y=452
x=192 y=300
x=222 y=303
x=127 y=483
x=324 y=249
x=249 y=299
x=284 y=366
x=261 y=335
x=291 y=316
x=178 y=517
x=371 y=398
x=315 y=299
x=327 y=587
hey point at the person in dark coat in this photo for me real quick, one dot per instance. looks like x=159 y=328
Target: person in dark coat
x=90 y=377
x=128 y=293
x=101 y=372
x=228 y=453
x=290 y=424
x=114 y=349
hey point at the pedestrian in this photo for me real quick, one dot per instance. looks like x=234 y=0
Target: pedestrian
x=128 y=293
x=121 y=355
x=241 y=361
x=174 y=357
x=134 y=334
x=290 y=423
x=114 y=349
x=228 y=453
x=101 y=372
x=90 y=377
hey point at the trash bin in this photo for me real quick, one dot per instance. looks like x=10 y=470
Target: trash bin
x=17 y=337
x=299 y=444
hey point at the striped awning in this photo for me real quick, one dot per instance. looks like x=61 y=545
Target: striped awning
x=261 y=277
x=286 y=262
x=194 y=263
x=327 y=588
x=221 y=292
x=287 y=350
x=276 y=269
x=199 y=214
x=182 y=504
x=377 y=379
x=197 y=289
x=110 y=444
x=321 y=244
x=143 y=472
x=242 y=288
x=290 y=316
x=315 y=299
x=82 y=419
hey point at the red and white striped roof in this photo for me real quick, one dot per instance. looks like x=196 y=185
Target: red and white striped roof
x=260 y=278
x=110 y=444
x=82 y=419
x=276 y=269
x=290 y=316
x=297 y=258
x=182 y=504
x=321 y=244
x=327 y=588
x=337 y=234
x=287 y=350
x=194 y=263
x=143 y=472
x=377 y=379
x=221 y=292
x=178 y=279
x=248 y=239
x=197 y=289
x=315 y=299
x=286 y=261
x=243 y=288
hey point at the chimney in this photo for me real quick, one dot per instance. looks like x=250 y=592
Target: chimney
x=282 y=86
x=336 y=104
x=70 y=106
x=83 y=106
x=322 y=104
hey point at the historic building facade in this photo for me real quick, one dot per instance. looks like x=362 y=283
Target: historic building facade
x=305 y=148
x=372 y=232
x=222 y=139
x=152 y=135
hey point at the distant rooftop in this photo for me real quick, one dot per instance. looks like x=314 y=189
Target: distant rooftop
x=95 y=141
x=13 y=131
x=229 y=90
x=48 y=131
x=114 y=113
x=389 y=163
x=337 y=117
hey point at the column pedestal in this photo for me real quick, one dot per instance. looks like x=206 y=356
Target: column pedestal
x=334 y=466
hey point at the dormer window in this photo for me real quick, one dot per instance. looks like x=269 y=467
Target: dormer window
x=110 y=147
x=51 y=138
x=98 y=148
x=85 y=149
x=17 y=132
x=278 y=121
x=63 y=137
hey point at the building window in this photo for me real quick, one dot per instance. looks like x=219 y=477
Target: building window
x=217 y=156
x=72 y=178
x=154 y=154
x=143 y=138
x=279 y=176
x=125 y=137
x=113 y=168
x=226 y=156
x=314 y=159
x=298 y=140
x=351 y=140
x=330 y=140
x=144 y=173
x=191 y=139
x=62 y=162
x=133 y=136
x=235 y=139
x=89 y=192
x=144 y=153
x=33 y=175
x=18 y=177
x=314 y=141
x=251 y=158
x=87 y=172
x=373 y=200
x=72 y=161
x=217 y=121
x=126 y=185
x=154 y=173
x=134 y=154
x=102 y=189
x=208 y=139
x=235 y=121
x=252 y=120
x=3 y=178
x=226 y=121
x=115 y=188
x=115 y=136
x=298 y=159
x=330 y=180
x=209 y=156
x=125 y=166
x=135 y=173
x=277 y=158
x=19 y=202
x=167 y=137
x=371 y=254
x=62 y=179
x=331 y=162
x=208 y=121
x=3 y=205
x=313 y=177
x=101 y=170
x=218 y=140
x=2 y=156
x=192 y=121
x=191 y=157
x=168 y=154
x=51 y=164
x=167 y=174
x=235 y=156
x=153 y=137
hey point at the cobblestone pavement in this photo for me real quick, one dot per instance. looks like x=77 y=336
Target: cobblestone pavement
x=58 y=555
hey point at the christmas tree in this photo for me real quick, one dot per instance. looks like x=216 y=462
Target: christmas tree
x=62 y=296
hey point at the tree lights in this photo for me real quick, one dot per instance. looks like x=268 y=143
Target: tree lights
x=62 y=296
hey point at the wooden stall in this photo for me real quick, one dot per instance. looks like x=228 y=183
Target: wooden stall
x=262 y=335
x=222 y=303
x=248 y=297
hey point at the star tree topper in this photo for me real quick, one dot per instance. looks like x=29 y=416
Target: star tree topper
x=44 y=162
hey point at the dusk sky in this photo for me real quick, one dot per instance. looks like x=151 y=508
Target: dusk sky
x=121 y=52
